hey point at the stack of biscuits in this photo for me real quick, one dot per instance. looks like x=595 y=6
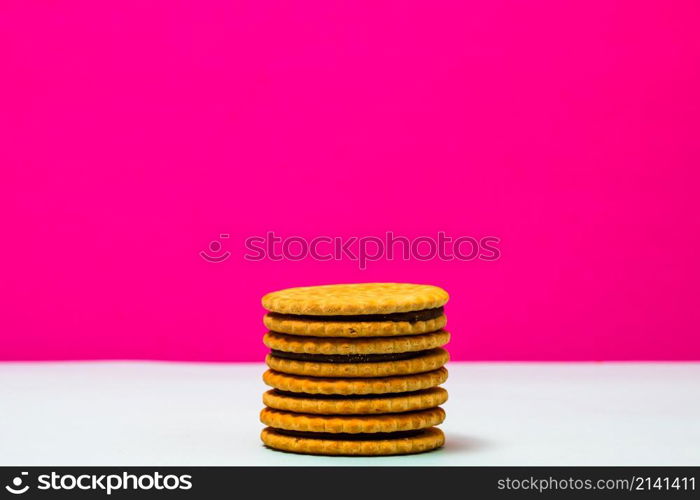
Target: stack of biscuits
x=355 y=369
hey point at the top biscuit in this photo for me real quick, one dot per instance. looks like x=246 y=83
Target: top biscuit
x=355 y=299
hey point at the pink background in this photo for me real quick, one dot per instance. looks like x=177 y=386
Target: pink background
x=135 y=132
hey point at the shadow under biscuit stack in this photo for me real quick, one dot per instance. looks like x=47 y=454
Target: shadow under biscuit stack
x=355 y=369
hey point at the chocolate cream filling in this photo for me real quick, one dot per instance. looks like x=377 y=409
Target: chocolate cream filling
x=351 y=437
x=347 y=358
x=345 y=397
x=411 y=316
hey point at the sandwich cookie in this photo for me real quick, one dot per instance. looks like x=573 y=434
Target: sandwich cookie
x=356 y=310
x=378 y=365
x=367 y=325
x=354 y=405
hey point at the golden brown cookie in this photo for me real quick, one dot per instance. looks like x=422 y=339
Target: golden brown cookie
x=355 y=299
x=423 y=362
x=352 y=424
x=323 y=328
x=355 y=405
x=384 y=385
x=424 y=440
x=344 y=346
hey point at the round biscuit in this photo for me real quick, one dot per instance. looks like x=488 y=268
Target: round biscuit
x=354 y=386
x=352 y=424
x=321 y=328
x=393 y=403
x=426 y=440
x=355 y=299
x=424 y=362
x=370 y=345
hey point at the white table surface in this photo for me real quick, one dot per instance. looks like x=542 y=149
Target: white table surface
x=138 y=413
